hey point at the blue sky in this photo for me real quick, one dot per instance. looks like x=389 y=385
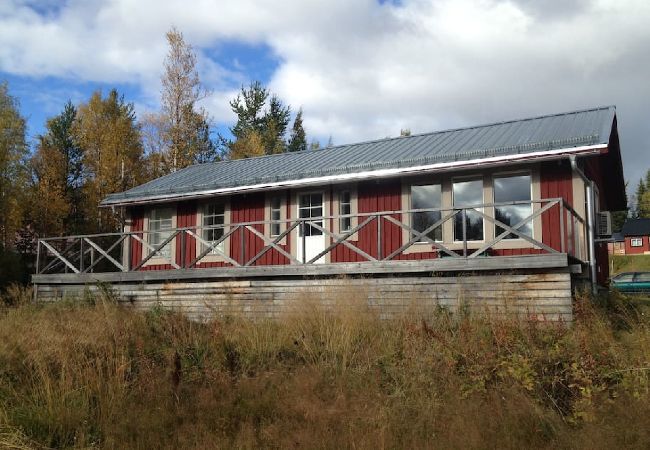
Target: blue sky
x=360 y=69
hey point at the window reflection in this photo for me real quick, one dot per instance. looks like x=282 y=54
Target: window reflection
x=514 y=188
x=427 y=197
x=468 y=193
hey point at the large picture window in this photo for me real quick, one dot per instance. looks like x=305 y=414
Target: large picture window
x=468 y=193
x=514 y=188
x=160 y=228
x=426 y=197
x=213 y=225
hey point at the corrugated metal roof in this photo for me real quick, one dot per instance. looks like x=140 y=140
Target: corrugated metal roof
x=550 y=132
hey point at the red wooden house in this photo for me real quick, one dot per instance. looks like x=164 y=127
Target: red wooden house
x=636 y=233
x=517 y=197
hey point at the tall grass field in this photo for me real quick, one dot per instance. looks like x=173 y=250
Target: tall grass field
x=92 y=374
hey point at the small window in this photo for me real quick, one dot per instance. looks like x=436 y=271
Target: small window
x=468 y=193
x=345 y=209
x=636 y=242
x=160 y=229
x=276 y=216
x=426 y=201
x=213 y=225
x=513 y=189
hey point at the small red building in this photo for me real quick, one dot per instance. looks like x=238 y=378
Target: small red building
x=637 y=236
x=515 y=197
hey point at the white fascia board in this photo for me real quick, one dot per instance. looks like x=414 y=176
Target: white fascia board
x=371 y=174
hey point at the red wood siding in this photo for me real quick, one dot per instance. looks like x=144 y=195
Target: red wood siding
x=372 y=196
x=645 y=247
x=185 y=218
x=250 y=208
x=556 y=181
x=137 y=224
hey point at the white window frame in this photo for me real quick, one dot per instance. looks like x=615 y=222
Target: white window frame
x=225 y=245
x=636 y=242
x=158 y=259
x=344 y=228
x=275 y=208
x=336 y=207
x=268 y=216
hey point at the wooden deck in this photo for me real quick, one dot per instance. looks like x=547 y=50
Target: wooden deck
x=377 y=270
x=422 y=267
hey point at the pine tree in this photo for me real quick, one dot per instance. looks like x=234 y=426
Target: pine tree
x=619 y=217
x=298 y=139
x=13 y=175
x=640 y=192
x=268 y=124
x=57 y=170
x=248 y=106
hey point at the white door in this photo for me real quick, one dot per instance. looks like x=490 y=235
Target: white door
x=310 y=206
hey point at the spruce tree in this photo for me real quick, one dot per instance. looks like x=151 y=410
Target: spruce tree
x=298 y=139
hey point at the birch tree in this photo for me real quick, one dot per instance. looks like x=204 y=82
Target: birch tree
x=184 y=121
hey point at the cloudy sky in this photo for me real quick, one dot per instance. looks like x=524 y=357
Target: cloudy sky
x=359 y=68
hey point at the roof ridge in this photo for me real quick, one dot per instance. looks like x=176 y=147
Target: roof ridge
x=428 y=133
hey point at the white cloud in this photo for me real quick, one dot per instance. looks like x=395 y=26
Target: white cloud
x=364 y=70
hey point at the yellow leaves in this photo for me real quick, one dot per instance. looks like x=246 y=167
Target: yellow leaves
x=248 y=146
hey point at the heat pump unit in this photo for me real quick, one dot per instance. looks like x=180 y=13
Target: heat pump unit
x=604 y=223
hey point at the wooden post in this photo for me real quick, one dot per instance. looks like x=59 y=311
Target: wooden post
x=241 y=244
x=81 y=255
x=304 y=240
x=379 y=252
x=562 y=212
x=38 y=256
x=465 y=233
x=182 y=236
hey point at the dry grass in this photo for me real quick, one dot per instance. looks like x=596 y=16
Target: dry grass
x=93 y=374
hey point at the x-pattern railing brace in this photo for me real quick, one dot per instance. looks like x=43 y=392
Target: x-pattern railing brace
x=60 y=256
x=155 y=250
x=274 y=244
x=514 y=230
x=212 y=246
x=419 y=236
x=105 y=254
x=270 y=244
x=342 y=239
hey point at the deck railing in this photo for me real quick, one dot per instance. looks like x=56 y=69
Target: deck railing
x=562 y=231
